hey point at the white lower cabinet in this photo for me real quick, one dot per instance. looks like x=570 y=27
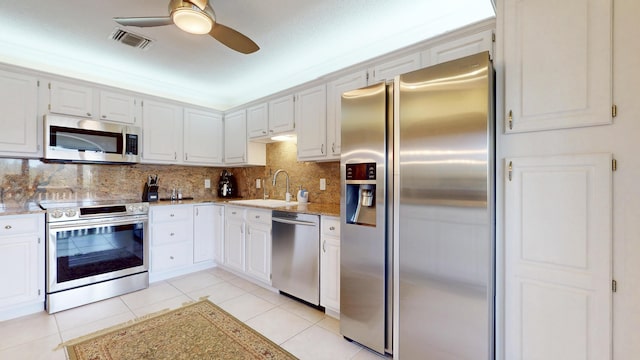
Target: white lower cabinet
x=21 y=265
x=218 y=234
x=234 y=238
x=330 y=265
x=171 y=238
x=204 y=232
x=247 y=242
x=258 y=244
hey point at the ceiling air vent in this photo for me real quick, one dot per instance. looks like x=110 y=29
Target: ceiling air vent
x=131 y=39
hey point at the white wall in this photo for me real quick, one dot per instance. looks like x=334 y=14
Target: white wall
x=622 y=138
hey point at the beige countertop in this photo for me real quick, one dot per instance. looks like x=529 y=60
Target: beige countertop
x=308 y=208
x=20 y=209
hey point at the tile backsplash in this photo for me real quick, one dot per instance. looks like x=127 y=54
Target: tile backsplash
x=23 y=180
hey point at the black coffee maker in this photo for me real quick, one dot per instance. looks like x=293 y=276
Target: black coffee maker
x=227 y=187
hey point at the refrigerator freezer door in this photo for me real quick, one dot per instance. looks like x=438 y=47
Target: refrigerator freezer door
x=446 y=211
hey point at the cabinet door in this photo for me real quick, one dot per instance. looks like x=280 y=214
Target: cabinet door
x=388 y=70
x=334 y=109
x=234 y=240
x=281 y=115
x=235 y=135
x=258 y=243
x=19 y=116
x=558 y=257
x=203 y=132
x=19 y=269
x=558 y=57
x=218 y=234
x=70 y=99
x=117 y=107
x=459 y=48
x=258 y=121
x=330 y=273
x=161 y=132
x=204 y=232
x=311 y=116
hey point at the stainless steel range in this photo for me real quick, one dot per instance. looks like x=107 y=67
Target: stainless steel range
x=95 y=250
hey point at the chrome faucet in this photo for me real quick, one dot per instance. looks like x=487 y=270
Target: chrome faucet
x=287 y=195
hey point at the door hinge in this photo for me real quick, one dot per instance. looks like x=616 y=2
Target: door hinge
x=614 y=165
x=510 y=118
x=510 y=170
x=614 y=110
x=614 y=286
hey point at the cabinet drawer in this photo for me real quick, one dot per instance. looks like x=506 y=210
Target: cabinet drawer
x=171 y=256
x=259 y=216
x=171 y=213
x=15 y=225
x=234 y=213
x=330 y=226
x=171 y=232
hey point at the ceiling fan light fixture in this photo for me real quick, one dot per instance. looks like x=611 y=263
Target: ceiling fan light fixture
x=192 y=20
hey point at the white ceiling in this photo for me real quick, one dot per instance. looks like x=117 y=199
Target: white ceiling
x=300 y=40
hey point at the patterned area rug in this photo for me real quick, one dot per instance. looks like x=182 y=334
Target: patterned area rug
x=200 y=330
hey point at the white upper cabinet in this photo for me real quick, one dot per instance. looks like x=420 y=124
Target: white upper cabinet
x=70 y=99
x=258 y=121
x=311 y=116
x=161 y=132
x=19 y=115
x=389 y=69
x=281 y=115
x=459 y=48
x=237 y=150
x=335 y=89
x=558 y=64
x=202 y=137
x=117 y=107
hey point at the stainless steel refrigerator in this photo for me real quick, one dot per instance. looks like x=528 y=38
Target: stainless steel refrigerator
x=418 y=213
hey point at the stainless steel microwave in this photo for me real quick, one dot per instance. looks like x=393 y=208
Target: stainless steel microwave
x=90 y=141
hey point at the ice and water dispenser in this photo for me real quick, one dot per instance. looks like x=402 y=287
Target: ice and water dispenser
x=360 y=181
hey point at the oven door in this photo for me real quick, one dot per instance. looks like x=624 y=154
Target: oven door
x=84 y=252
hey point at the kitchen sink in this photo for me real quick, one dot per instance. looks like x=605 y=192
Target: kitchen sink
x=270 y=203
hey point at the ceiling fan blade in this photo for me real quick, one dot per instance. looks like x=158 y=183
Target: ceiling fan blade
x=199 y=3
x=233 y=39
x=144 y=21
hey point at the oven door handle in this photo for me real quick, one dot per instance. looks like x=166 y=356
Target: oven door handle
x=105 y=221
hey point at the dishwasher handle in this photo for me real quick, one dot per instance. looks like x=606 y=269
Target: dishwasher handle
x=293 y=222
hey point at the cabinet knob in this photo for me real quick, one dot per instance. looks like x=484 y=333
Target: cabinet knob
x=257 y=216
x=171 y=257
x=7 y=227
x=332 y=228
x=172 y=215
x=104 y=116
x=88 y=114
x=264 y=132
x=171 y=234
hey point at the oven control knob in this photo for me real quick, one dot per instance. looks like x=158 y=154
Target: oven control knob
x=56 y=214
x=70 y=212
x=130 y=208
x=142 y=208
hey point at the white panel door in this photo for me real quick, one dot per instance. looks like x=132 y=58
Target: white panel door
x=460 y=48
x=203 y=132
x=161 y=132
x=281 y=115
x=258 y=121
x=218 y=236
x=70 y=99
x=389 y=69
x=558 y=57
x=117 y=107
x=334 y=109
x=258 y=251
x=311 y=116
x=204 y=232
x=558 y=244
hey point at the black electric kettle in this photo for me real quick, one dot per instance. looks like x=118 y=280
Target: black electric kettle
x=227 y=187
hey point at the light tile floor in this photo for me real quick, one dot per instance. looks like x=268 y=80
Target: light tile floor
x=305 y=332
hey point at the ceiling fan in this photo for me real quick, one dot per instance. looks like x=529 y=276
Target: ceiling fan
x=195 y=17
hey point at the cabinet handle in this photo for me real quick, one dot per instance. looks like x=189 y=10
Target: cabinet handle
x=233 y=213
x=270 y=130
x=264 y=132
x=175 y=156
x=172 y=215
x=7 y=227
x=104 y=116
x=186 y=156
x=324 y=242
x=88 y=114
x=332 y=228
x=257 y=216
x=171 y=234
x=197 y=211
x=333 y=147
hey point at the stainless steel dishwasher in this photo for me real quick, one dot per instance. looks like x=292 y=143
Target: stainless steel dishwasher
x=295 y=255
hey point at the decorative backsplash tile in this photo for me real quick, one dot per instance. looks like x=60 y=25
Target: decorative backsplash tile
x=23 y=180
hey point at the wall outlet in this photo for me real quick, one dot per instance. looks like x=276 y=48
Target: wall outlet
x=207 y=183
x=258 y=184
x=323 y=184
